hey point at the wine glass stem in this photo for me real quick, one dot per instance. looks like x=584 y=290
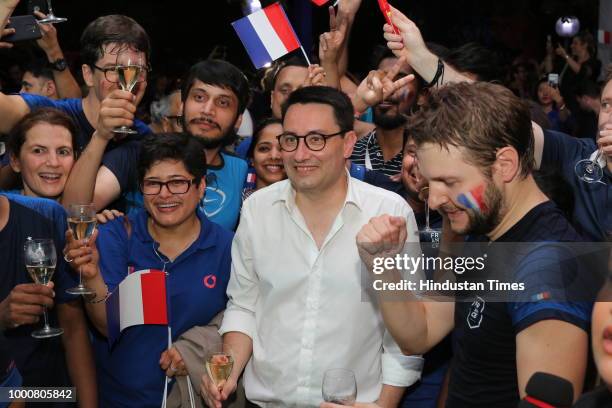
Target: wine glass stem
x=80 y=277
x=46 y=318
x=426 y=215
x=596 y=161
x=50 y=8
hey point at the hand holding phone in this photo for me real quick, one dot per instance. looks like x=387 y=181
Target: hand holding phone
x=553 y=80
x=26 y=28
x=386 y=10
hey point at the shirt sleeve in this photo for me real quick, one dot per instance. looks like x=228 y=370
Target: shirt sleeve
x=561 y=150
x=122 y=162
x=554 y=288
x=38 y=101
x=398 y=369
x=112 y=246
x=243 y=287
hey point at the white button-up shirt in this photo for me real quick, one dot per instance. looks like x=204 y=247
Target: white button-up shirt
x=304 y=308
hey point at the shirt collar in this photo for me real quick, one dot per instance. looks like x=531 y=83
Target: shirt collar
x=206 y=239
x=287 y=194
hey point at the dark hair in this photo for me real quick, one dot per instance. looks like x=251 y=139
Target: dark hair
x=475 y=59
x=52 y=116
x=480 y=118
x=172 y=146
x=264 y=123
x=271 y=76
x=114 y=28
x=338 y=100
x=587 y=38
x=587 y=88
x=219 y=73
x=39 y=70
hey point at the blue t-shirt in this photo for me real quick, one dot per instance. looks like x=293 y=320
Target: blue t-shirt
x=484 y=369
x=40 y=362
x=129 y=374
x=224 y=185
x=593 y=201
x=74 y=108
x=243 y=148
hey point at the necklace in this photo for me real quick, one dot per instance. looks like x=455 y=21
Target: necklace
x=168 y=260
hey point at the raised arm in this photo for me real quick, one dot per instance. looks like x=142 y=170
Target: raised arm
x=66 y=85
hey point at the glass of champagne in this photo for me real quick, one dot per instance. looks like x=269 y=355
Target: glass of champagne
x=40 y=260
x=219 y=362
x=82 y=221
x=131 y=68
x=339 y=386
x=52 y=18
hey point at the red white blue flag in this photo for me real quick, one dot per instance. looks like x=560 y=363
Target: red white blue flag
x=267 y=35
x=139 y=299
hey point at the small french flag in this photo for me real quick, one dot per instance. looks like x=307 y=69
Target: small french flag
x=473 y=199
x=604 y=37
x=139 y=299
x=319 y=2
x=251 y=177
x=266 y=34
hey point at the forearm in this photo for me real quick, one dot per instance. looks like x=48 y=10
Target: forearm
x=67 y=86
x=96 y=307
x=573 y=64
x=390 y=396
x=79 y=357
x=332 y=79
x=425 y=63
x=242 y=347
x=82 y=180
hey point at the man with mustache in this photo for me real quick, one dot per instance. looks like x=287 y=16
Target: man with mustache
x=382 y=148
x=214 y=95
x=474 y=146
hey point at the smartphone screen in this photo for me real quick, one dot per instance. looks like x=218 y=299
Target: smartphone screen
x=553 y=80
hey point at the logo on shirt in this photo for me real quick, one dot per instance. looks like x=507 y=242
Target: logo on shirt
x=213 y=201
x=210 y=281
x=474 y=318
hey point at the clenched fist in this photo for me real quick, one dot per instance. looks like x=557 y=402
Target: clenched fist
x=382 y=236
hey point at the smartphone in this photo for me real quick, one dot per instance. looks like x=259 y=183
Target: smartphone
x=553 y=80
x=26 y=28
x=37 y=5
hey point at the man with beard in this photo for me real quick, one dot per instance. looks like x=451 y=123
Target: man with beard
x=214 y=95
x=475 y=147
x=382 y=148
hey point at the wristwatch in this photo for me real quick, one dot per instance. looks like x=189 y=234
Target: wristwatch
x=59 y=65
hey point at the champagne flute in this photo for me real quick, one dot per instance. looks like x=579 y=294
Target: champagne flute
x=40 y=260
x=590 y=171
x=82 y=221
x=339 y=386
x=52 y=18
x=131 y=69
x=219 y=362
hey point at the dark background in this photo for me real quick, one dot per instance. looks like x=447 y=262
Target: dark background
x=183 y=32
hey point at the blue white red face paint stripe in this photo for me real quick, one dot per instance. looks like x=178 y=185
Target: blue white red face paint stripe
x=474 y=199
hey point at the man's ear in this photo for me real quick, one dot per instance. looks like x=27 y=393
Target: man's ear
x=14 y=162
x=49 y=89
x=507 y=165
x=350 y=138
x=202 y=187
x=87 y=75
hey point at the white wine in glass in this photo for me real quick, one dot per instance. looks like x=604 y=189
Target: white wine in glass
x=82 y=222
x=40 y=260
x=130 y=70
x=219 y=362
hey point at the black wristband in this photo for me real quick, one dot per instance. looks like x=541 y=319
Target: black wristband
x=439 y=73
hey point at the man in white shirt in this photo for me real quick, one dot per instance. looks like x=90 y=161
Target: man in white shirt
x=296 y=303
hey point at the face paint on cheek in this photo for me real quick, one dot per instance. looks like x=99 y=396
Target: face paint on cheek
x=474 y=199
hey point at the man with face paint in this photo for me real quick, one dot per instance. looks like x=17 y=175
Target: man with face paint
x=382 y=148
x=475 y=147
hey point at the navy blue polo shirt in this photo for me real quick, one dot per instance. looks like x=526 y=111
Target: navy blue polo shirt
x=41 y=363
x=592 y=216
x=129 y=374
x=484 y=369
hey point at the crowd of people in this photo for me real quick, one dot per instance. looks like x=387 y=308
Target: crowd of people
x=267 y=206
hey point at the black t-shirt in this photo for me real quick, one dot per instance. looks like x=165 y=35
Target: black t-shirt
x=40 y=362
x=598 y=398
x=483 y=371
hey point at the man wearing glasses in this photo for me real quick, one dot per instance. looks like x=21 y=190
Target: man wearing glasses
x=297 y=313
x=100 y=42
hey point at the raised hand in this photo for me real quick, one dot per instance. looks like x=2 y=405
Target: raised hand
x=3 y=33
x=315 y=77
x=383 y=236
x=48 y=42
x=330 y=44
x=116 y=110
x=83 y=255
x=378 y=86
x=409 y=42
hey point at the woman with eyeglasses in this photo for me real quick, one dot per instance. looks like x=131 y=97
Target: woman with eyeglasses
x=171 y=234
x=264 y=157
